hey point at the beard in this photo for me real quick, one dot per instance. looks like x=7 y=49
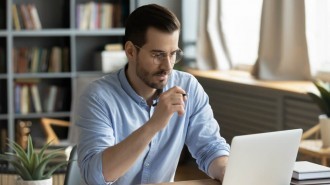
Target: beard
x=147 y=76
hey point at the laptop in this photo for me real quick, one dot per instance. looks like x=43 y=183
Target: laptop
x=263 y=159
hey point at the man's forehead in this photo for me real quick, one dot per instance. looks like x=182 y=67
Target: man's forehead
x=162 y=40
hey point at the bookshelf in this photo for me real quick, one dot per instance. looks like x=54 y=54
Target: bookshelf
x=59 y=28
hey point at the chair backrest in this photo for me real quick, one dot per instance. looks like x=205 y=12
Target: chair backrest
x=72 y=176
x=81 y=84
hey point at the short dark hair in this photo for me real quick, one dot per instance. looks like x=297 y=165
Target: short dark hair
x=147 y=16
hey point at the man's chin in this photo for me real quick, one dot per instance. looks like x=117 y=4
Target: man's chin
x=159 y=85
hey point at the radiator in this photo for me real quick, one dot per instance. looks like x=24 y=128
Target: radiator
x=246 y=109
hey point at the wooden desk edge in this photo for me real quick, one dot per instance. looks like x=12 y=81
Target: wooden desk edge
x=192 y=182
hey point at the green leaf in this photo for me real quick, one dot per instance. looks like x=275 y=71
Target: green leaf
x=30 y=147
x=20 y=169
x=43 y=149
x=44 y=162
x=19 y=158
x=29 y=164
x=18 y=150
x=53 y=169
x=33 y=163
x=325 y=94
x=324 y=101
x=320 y=103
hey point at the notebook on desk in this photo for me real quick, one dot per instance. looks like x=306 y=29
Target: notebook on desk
x=263 y=159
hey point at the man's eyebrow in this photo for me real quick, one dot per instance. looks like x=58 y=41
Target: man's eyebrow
x=161 y=51
x=158 y=51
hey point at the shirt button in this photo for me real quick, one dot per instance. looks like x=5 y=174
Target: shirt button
x=147 y=164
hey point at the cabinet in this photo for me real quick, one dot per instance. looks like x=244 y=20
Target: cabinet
x=59 y=28
x=244 y=105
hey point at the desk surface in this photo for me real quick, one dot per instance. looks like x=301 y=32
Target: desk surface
x=192 y=182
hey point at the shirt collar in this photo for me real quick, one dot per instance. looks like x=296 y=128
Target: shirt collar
x=131 y=92
x=128 y=88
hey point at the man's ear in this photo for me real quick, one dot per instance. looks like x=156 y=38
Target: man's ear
x=130 y=50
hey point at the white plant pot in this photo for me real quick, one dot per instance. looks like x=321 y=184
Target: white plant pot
x=19 y=181
x=325 y=130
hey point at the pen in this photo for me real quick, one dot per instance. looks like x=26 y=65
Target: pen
x=155 y=104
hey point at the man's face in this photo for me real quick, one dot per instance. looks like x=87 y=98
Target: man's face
x=152 y=71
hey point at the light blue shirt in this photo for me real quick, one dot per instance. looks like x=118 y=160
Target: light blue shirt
x=110 y=110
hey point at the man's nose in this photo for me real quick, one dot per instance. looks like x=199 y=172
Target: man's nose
x=167 y=62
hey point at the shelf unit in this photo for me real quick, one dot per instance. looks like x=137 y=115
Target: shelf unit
x=58 y=19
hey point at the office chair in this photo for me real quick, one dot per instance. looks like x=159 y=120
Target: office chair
x=72 y=175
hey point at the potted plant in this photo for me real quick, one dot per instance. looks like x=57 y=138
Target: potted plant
x=31 y=165
x=322 y=99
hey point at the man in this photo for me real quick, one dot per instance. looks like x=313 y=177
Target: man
x=135 y=122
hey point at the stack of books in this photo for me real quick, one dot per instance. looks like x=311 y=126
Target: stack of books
x=308 y=173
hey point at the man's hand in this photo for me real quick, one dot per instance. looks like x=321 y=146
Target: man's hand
x=218 y=167
x=169 y=102
x=117 y=160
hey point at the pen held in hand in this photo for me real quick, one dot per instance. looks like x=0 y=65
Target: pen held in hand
x=155 y=104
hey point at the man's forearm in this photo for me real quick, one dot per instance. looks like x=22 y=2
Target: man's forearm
x=116 y=160
x=218 y=167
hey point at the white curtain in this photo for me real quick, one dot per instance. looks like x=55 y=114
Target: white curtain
x=211 y=46
x=318 y=35
x=228 y=33
x=283 y=48
x=277 y=45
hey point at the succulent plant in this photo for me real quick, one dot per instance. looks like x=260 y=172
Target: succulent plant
x=323 y=98
x=30 y=164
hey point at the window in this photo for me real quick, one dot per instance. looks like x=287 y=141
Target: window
x=318 y=35
x=241 y=27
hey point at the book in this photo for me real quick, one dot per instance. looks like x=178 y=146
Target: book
x=86 y=16
x=34 y=16
x=44 y=60
x=17 y=98
x=24 y=99
x=17 y=25
x=55 y=61
x=22 y=60
x=51 y=100
x=34 y=60
x=304 y=170
x=27 y=20
x=36 y=98
x=106 y=17
x=310 y=182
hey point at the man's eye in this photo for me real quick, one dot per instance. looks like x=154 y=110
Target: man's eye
x=160 y=55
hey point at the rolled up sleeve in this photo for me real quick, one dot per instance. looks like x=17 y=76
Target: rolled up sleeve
x=96 y=134
x=203 y=139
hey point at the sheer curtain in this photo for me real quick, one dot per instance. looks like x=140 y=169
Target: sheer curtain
x=228 y=33
x=211 y=45
x=283 y=39
x=318 y=35
x=283 y=48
